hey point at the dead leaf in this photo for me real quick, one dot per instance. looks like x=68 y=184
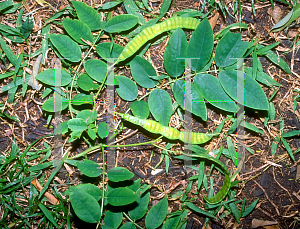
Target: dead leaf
x=104 y=36
x=236 y=225
x=298 y=172
x=213 y=20
x=51 y=198
x=48 y=195
x=292 y=33
x=275 y=13
x=36 y=184
x=35 y=71
x=27 y=70
x=154 y=202
x=42 y=2
x=282 y=49
x=271 y=227
x=259 y=223
x=87 y=42
x=156 y=171
x=68 y=168
x=296 y=194
x=59 y=180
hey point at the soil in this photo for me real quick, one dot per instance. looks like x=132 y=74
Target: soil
x=274 y=185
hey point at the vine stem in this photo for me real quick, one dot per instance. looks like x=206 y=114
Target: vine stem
x=168 y=150
x=103 y=181
x=104 y=145
x=71 y=89
x=132 y=220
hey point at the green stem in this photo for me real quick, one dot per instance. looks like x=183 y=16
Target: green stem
x=132 y=220
x=103 y=181
x=95 y=97
x=168 y=150
x=146 y=12
x=71 y=89
x=114 y=146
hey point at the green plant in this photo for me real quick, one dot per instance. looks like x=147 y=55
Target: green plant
x=130 y=199
x=296 y=99
x=84 y=78
x=122 y=197
x=19 y=209
x=282 y=138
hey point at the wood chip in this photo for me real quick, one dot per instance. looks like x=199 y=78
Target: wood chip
x=259 y=223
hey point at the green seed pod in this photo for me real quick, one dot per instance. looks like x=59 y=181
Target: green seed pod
x=189 y=137
x=150 y=32
x=226 y=185
x=168 y=132
x=194 y=138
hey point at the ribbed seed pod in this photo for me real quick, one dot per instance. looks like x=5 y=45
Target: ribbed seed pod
x=152 y=126
x=168 y=132
x=150 y=32
x=194 y=138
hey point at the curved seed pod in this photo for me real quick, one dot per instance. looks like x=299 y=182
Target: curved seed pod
x=168 y=132
x=150 y=32
x=226 y=185
x=196 y=138
x=150 y=125
x=132 y=119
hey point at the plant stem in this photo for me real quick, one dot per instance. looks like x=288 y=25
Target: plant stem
x=104 y=145
x=131 y=220
x=103 y=180
x=71 y=89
